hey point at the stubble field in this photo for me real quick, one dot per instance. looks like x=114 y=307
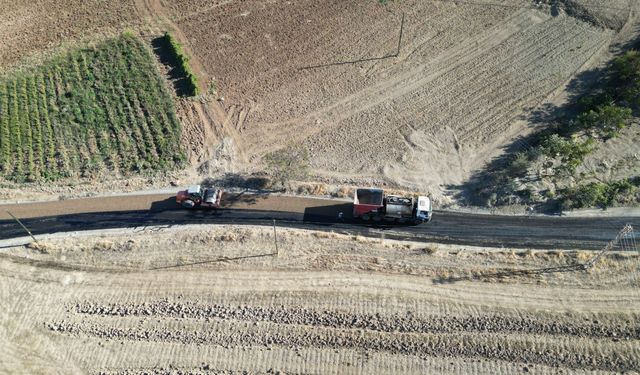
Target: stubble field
x=218 y=300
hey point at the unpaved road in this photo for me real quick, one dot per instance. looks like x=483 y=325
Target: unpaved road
x=247 y=209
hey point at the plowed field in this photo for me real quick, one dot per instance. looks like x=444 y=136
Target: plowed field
x=29 y=28
x=328 y=75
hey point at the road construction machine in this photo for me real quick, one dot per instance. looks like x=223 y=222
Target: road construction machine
x=197 y=197
x=373 y=204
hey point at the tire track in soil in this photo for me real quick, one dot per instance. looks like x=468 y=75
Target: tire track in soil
x=402 y=83
x=210 y=114
x=477 y=119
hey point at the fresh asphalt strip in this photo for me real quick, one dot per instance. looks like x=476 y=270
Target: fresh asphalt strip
x=537 y=232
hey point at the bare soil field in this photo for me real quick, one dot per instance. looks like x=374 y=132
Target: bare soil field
x=219 y=300
x=326 y=75
x=30 y=28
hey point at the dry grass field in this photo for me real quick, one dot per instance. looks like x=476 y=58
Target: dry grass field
x=217 y=300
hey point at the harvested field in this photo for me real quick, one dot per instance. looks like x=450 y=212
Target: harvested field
x=326 y=75
x=212 y=300
x=96 y=110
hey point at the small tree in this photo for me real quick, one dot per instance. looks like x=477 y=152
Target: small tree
x=626 y=73
x=289 y=163
x=519 y=166
x=571 y=152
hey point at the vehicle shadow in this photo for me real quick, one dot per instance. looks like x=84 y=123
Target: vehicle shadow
x=329 y=214
x=230 y=199
x=165 y=205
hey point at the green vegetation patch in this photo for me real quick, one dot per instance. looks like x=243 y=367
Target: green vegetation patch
x=182 y=62
x=100 y=109
x=602 y=194
x=600 y=115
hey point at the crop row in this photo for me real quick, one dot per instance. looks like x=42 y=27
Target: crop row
x=96 y=110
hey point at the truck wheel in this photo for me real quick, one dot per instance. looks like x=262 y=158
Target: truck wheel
x=366 y=217
x=188 y=203
x=377 y=218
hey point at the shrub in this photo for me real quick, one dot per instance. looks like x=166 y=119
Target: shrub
x=593 y=101
x=626 y=75
x=519 y=165
x=607 y=120
x=570 y=151
x=598 y=194
x=287 y=164
x=590 y=195
x=182 y=62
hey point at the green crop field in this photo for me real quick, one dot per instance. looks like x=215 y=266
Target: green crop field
x=100 y=109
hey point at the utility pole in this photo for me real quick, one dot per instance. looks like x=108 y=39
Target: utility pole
x=275 y=237
x=22 y=225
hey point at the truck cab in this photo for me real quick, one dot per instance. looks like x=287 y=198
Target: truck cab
x=423 y=209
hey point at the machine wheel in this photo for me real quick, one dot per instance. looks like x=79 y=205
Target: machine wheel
x=188 y=203
x=366 y=217
x=377 y=218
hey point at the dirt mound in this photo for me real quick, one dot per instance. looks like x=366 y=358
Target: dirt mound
x=612 y=15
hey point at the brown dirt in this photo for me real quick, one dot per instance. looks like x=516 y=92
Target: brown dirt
x=31 y=28
x=465 y=78
x=147 y=201
x=211 y=300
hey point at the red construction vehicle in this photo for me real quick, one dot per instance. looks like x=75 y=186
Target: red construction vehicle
x=195 y=196
x=375 y=205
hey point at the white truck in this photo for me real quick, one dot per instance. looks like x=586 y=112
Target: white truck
x=373 y=204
